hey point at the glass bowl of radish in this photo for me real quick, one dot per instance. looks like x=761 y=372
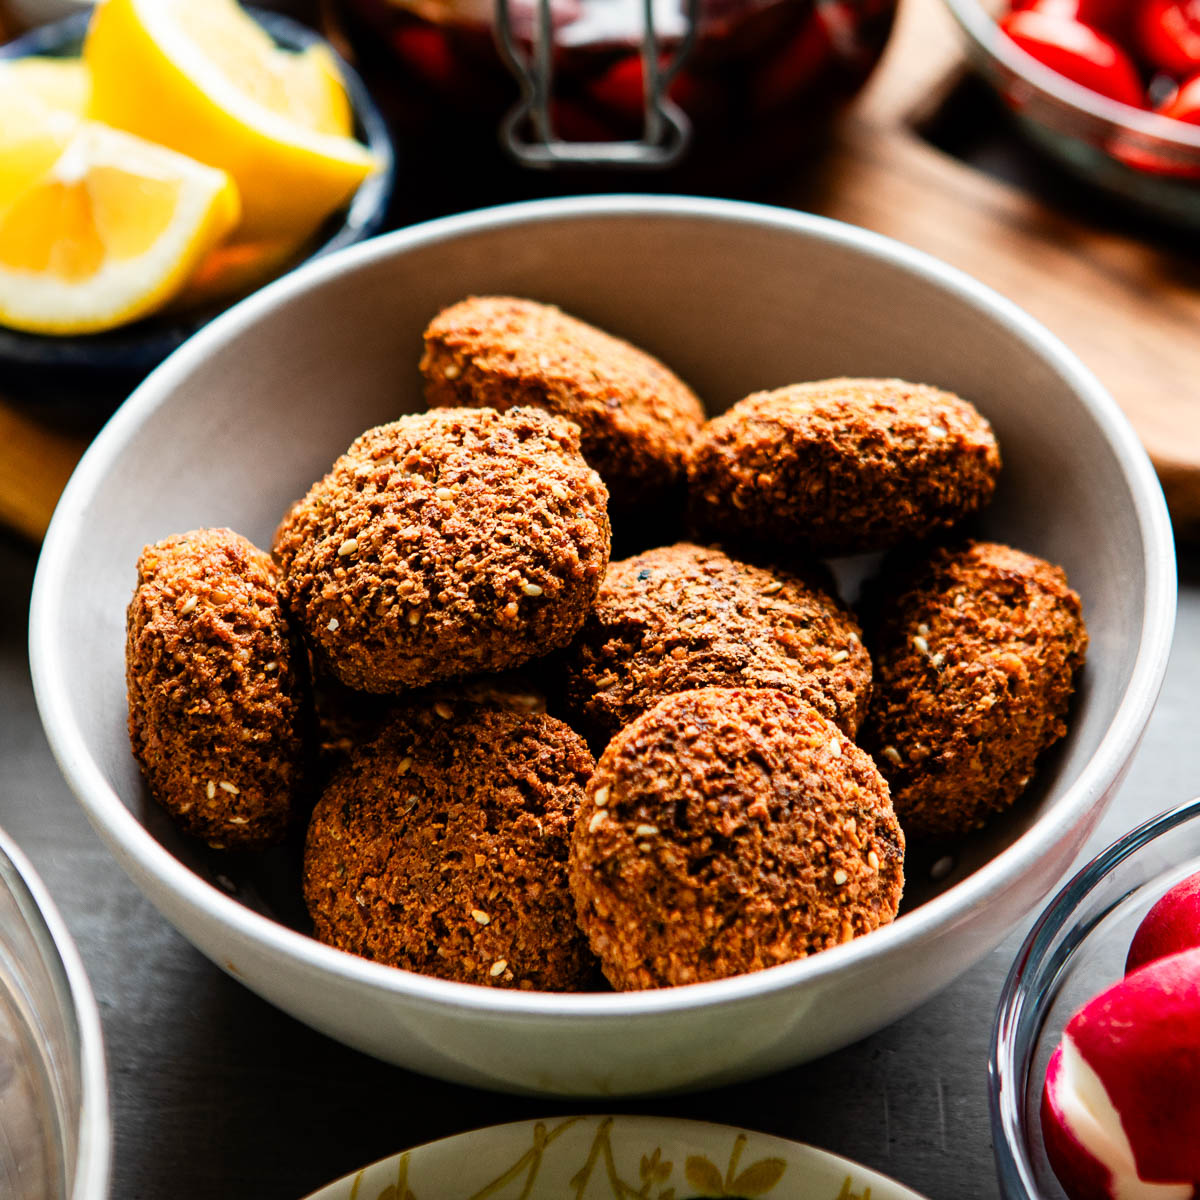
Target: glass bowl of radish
x=1109 y=88
x=1094 y=1075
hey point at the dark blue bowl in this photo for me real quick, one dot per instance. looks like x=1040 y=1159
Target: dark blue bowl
x=134 y=349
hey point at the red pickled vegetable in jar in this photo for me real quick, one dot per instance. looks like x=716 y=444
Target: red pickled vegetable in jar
x=761 y=73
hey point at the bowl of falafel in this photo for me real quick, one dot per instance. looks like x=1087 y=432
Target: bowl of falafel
x=605 y=646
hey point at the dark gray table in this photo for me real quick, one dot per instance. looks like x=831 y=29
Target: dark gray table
x=215 y=1094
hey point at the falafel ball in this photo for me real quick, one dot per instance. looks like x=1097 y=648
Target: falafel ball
x=636 y=416
x=441 y=847
x=726 y=830
x=686 y=616
x=446 y=544
x=976 y=658
x=842 y=466
x=219 y=702
x=346 y=718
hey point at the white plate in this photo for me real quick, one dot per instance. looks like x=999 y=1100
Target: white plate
x=617 y=1158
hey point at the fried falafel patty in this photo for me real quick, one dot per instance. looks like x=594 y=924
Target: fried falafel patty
x=347 y=718
x=726 y=830
x=218 y=688
x=441 y=847
x=636 y=416
x=446 y=544
x=683 y=617
x=842 y=466
x=976 y=658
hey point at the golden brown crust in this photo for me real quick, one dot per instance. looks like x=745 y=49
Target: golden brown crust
x=726 y=830
x=635 y=415
x=842 y=466
x=347 y=719
x=217 y=687
x=446 y=544
x=975 y=665
x=442 y=848
x=685 y=616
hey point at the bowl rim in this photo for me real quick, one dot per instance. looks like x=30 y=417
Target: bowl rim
x=1006 y=1100
x=981 y=29
x=93 y=1157
x=134 y=844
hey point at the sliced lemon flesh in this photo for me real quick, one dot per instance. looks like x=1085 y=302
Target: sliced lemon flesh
x=204 y=79
x=316 y=95
x=61 y=83
x=32 y=139
x=236 y=267
x=111 y=231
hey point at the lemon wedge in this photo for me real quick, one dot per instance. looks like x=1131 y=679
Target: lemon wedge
x=236 y=267
x=32 y=138
x=204 y=79
x=108 y=232
x=315 y=94
x=62 y=83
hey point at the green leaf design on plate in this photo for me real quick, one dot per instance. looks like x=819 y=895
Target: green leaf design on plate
x=701 y=1174
x=759 y=1177
x=399 y=1189
x=847 y=1192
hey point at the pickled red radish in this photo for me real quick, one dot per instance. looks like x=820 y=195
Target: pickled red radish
x=1173 y=923
x=1121 y=1104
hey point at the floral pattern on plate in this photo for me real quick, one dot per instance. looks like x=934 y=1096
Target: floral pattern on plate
x=613 y=1158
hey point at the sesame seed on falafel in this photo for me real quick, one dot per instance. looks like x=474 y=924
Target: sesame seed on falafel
x=218 y=690
x=635 y=415
x=726 y=830
x=446 y=544
x=842 y=466
x=686 y=616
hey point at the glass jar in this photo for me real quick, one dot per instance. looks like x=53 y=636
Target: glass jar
x=751 y=81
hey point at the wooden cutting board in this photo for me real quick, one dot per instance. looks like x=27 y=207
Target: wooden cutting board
x=1128 y=306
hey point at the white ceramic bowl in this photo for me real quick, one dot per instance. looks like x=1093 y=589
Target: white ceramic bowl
x=736 y=297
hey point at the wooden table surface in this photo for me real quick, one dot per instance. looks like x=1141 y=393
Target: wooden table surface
x=1122 y=291
x=217 y=1095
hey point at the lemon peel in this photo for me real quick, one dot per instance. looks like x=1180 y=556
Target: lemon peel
x=205 y=80
x=109 y=232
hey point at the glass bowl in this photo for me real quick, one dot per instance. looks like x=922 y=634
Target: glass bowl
x=55 y=1136
x=1076 y=949
x=1136 y=155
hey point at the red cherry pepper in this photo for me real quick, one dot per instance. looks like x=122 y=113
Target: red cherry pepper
x=1184 y=105
x=797 y=66
x=575 y=124
x=620 y=88
x=426 y=51
x=1168 y=34
x=1153 y=156
x=1079 y=53
x=1108 y=16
